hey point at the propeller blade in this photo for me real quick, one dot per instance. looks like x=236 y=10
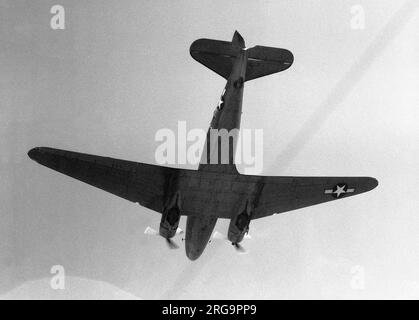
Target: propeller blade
x=171 y=244
x=239 y=248
x=150 y=231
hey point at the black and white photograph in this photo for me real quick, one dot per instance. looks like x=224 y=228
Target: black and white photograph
x=209 y=150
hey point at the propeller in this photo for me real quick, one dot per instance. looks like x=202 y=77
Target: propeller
x=170 y=243
x=239 y=248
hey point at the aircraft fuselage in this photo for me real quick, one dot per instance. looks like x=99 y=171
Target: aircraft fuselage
x=216 y=189
x=226 y=116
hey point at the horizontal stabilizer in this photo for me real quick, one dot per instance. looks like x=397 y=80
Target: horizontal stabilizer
x=215 y=55
x=263 y=61
x=219 y=57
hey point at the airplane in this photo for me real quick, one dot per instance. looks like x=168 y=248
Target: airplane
x=215 y=190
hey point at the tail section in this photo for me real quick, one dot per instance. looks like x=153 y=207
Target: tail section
x=219 y=56
x=263 y=61
x=238 y=41
x=216 y=55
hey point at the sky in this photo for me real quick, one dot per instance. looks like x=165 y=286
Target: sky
x=121 y=70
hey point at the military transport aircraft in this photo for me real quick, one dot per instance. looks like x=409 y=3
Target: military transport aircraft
x=214 y=190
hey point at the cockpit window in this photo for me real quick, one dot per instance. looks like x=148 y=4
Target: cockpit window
x=220 y=104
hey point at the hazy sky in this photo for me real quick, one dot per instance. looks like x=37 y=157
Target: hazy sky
x=121 y=70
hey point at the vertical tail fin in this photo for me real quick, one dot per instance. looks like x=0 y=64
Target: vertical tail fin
x=238 y=40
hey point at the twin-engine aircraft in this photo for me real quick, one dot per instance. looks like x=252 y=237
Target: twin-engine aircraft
x=215 y=190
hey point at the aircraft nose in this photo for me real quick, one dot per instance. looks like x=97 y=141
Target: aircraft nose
x=193 y=254
x=34 y=153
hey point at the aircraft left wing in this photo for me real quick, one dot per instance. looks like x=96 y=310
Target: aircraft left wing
x=281 y=194
x=136 y=182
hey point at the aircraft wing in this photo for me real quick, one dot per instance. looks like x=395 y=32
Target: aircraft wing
x=136 y=182
x=281 y=194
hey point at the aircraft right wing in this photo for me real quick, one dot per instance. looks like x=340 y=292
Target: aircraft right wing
x=281 y=194
x=137 y=182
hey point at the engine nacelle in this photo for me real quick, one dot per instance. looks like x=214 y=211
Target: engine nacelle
x=169 y=222
x=238 y=227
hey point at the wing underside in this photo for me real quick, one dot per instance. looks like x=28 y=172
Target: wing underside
x=136 y=182
x=149 y=185
x=281 y=194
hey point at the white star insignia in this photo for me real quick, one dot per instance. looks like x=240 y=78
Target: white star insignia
x=339 y=189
